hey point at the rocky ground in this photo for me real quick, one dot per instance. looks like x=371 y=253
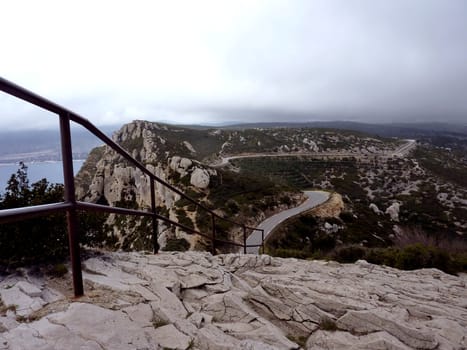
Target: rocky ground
x=193 y=300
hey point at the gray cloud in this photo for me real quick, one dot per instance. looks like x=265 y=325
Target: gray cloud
x=365 y=60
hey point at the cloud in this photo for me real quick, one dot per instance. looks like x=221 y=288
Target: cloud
x=209 y=61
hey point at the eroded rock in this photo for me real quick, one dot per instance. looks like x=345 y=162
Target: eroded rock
x=193 y=300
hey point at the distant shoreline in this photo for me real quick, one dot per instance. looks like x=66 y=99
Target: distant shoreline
x=28 y=162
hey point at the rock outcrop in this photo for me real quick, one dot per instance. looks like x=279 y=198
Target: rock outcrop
x=194 y=300
x=108 y=178
x=393 y=211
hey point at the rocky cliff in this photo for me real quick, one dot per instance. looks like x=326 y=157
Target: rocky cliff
x=178 y=156
x=194 y=300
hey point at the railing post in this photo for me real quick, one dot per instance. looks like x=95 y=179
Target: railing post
x=154 y=218
x=244 y=239
x=72 y=219
x=262 y=241
x=213 y=240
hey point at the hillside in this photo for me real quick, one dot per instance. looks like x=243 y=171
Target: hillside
x=418 y=198
x=393 y=191
x=193 y=300
x=179 y=156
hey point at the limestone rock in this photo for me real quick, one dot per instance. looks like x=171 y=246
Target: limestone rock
x=393 y=211
x=189 y=146
x=375 y=208
x=170 y=337
x=200 y=178
x=323 y=340
x=180 y=165
x=193 y=300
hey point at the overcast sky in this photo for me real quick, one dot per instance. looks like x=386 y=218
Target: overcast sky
x=213 y=61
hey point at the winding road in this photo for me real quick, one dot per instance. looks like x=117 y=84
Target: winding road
x=399 y=152
x=315 y=198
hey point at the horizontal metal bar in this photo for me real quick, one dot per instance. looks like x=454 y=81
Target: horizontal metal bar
x=17 y=214
x=124 y=211
x=107 y=209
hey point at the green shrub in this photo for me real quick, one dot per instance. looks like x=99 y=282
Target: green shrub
x=43 y=238
x=36 y=239
x=58 y=270
x=177 y=244
x=417 y=256
x=349 y=254
x=327 y=324
x=183 y=219
x=347 y=216
x=289 y=253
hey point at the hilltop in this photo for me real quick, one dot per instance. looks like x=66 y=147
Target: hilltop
x=37 y=145
x=193 y=300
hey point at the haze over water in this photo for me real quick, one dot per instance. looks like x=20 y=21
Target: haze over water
x=51 y=170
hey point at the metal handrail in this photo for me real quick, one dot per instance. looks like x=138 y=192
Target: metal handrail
x=71 y=205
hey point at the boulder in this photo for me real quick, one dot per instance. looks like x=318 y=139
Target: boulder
x=200 y=178
x=393 y=211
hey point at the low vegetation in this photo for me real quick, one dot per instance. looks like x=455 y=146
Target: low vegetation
x=429 y=230
x=43 y=238
x=410 y=257
x=327 y=324
x=177 y=244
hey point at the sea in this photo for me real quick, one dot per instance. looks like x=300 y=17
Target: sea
x=51 y=170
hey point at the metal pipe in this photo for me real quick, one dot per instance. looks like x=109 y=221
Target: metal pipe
x=213 y=237
x=262 y=241
x=244 y=239
x=15 y=214
x=72 y=220
x=154 y=217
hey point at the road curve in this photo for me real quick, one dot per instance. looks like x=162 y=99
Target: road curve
x=401 y=151
x=315 y=198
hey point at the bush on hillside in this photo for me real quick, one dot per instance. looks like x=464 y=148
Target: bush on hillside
x=42 y=238
x=410 y=257
x=177 y=244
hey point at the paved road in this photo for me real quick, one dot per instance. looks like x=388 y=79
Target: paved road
x=401 y=151
x=315 y=198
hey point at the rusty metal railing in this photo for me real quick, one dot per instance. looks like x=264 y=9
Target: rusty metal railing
x=71 y=205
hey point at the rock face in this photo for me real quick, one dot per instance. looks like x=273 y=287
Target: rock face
x=193 y=300
x=200 y=178
x=107 y=178
x=393 y=211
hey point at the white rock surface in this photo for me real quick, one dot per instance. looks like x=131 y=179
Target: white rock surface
x=200 y=178
x=180 y=165
x=375 y=209
x=393 y=211
x=189 y=146
x=193 y=300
